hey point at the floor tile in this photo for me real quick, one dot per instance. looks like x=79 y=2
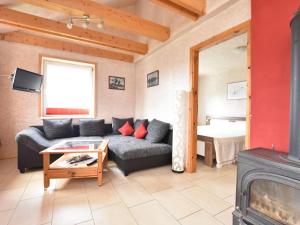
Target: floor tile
x=152 y=183
x=7 y=165
x=37 y=175
x=15 y=180
x=152 y=213
x=225 y=217
x=154 y=196
x=36 y=188
x=92 y=183
x=162 y=170
x=222 y=187
x=5 y=217
x=116 y=176
x=102 y=196
x=90 y=222
x=10 y=198
x=71 y=210
x=113 y=215
x=230 y=199
x=133 y=193
x=34 y=211
x=200 y=218
x=175 y=203
x=68 y=188
x=209 y=202
x=176 y=181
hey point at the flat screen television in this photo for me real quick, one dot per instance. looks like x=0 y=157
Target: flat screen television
x=24 y=80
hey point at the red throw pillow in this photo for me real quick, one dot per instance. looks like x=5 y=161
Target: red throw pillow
x=140 y=132
x=126 y=129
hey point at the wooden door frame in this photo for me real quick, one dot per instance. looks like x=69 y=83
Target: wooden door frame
x=245 y=27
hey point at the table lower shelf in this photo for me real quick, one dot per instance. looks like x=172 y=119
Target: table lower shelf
x=57 y=163
x=55 y=170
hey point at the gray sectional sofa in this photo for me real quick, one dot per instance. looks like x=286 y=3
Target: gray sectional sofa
x=129 y=153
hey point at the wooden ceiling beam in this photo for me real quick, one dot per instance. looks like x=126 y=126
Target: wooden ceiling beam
x=112 y=17
x=29 y=39
x=196 y=6
x=39 y=24
x=184 y=7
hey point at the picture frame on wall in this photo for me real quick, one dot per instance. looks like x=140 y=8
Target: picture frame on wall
x=237 y=90
x=116 y=83
x=153 y=79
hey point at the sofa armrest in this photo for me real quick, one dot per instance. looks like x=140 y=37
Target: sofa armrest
x=33 y=138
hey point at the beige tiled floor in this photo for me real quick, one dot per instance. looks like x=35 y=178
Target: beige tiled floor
x=155 y=197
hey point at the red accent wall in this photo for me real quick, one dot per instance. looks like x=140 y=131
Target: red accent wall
x=271 y=41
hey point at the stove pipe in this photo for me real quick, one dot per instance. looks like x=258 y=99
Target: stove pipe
x=294 y=146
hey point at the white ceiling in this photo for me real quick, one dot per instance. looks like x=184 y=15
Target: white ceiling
x=224 y=57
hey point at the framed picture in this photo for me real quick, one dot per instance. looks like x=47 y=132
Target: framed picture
x=153 y=79
x=237 y=90
x=116 y=83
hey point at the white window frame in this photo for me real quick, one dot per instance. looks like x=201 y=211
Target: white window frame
x=92 y=114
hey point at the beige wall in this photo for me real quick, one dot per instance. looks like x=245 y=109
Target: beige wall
x=213 y=95
x=172 y=61
x=20 y=109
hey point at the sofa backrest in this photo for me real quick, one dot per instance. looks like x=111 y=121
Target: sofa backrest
x=108 y=130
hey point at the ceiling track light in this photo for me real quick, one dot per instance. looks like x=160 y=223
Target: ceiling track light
x=85 y=19
x=70 y=24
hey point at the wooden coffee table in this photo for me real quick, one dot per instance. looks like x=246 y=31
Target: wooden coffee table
x=61 y=169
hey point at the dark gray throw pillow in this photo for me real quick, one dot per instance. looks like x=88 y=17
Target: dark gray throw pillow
x=138 y=122
x=58 y=128
x=91 y=128
x=157 y=130
x=117 y=123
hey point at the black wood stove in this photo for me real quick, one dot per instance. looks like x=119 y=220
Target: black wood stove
x=268 y=182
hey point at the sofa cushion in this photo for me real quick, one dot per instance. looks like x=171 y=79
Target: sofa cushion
x=126 y=129
x=117 y=123
x=157 y=130
x=138 y=122
x=128 y=147
x=90 y=127
x=58 y=128
x=140 y=132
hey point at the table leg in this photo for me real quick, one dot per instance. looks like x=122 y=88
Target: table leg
x=209 y=159
x=106 y=159
x=46 y=163
x=100 y=168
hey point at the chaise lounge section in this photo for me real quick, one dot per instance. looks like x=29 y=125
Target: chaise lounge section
x=129 y=153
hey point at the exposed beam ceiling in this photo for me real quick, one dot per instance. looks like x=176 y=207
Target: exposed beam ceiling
x=192 y=9
x=30 y=39
x=196 y=6
x=112 y=17
x=30 y=22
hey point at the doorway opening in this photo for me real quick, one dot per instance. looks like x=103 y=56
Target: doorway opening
x=241 y=31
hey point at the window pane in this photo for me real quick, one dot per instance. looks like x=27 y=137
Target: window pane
x=68 y=88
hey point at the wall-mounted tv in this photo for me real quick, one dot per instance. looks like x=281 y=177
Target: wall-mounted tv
x=24 y=80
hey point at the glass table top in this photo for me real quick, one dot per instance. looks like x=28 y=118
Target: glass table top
x=78 y=145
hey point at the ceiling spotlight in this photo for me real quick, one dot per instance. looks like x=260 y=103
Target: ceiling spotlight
x=240 y=49
x=70 y=24
x=85 y=24
x=100 y=25
x=85 y=20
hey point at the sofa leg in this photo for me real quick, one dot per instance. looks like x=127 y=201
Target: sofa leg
x=22 y=170
x=125 y=173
